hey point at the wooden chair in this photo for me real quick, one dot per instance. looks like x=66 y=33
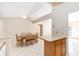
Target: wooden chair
x=26 y=41
x=19 y=41
x=31 y=39
x=36 y=37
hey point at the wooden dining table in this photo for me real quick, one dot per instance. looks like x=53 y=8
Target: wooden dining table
x=27 y=38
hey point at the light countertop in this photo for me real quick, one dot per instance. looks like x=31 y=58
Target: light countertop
x=53 y=38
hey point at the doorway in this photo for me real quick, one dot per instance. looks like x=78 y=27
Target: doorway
x=40 y=29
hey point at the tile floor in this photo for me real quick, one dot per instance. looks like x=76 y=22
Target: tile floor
x=32 y=50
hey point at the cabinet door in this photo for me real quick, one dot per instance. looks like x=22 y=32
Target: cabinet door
x=63 y=47
x=49 y=48
x=58 y=48
x=55 y=48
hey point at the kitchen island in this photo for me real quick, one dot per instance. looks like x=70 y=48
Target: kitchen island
x=54 y=46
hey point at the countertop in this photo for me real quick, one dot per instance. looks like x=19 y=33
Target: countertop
x=53 y=38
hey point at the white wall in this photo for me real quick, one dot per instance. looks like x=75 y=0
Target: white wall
x=60 y=16
x=17 y=25
x=60 y=19
x=1 y=27
x=46 y=27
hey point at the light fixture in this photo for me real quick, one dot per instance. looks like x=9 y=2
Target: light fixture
x=56 y=4
x=24 y=17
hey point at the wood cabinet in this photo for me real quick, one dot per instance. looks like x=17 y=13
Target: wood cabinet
x=55 y=48
x=48 y=49
x=63 y=47
x=58 y=48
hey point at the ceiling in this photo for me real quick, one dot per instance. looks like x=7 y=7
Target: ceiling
x=19 y=9
x=33 y=9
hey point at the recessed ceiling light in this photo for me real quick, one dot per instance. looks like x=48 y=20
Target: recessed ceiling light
x=24 y=17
